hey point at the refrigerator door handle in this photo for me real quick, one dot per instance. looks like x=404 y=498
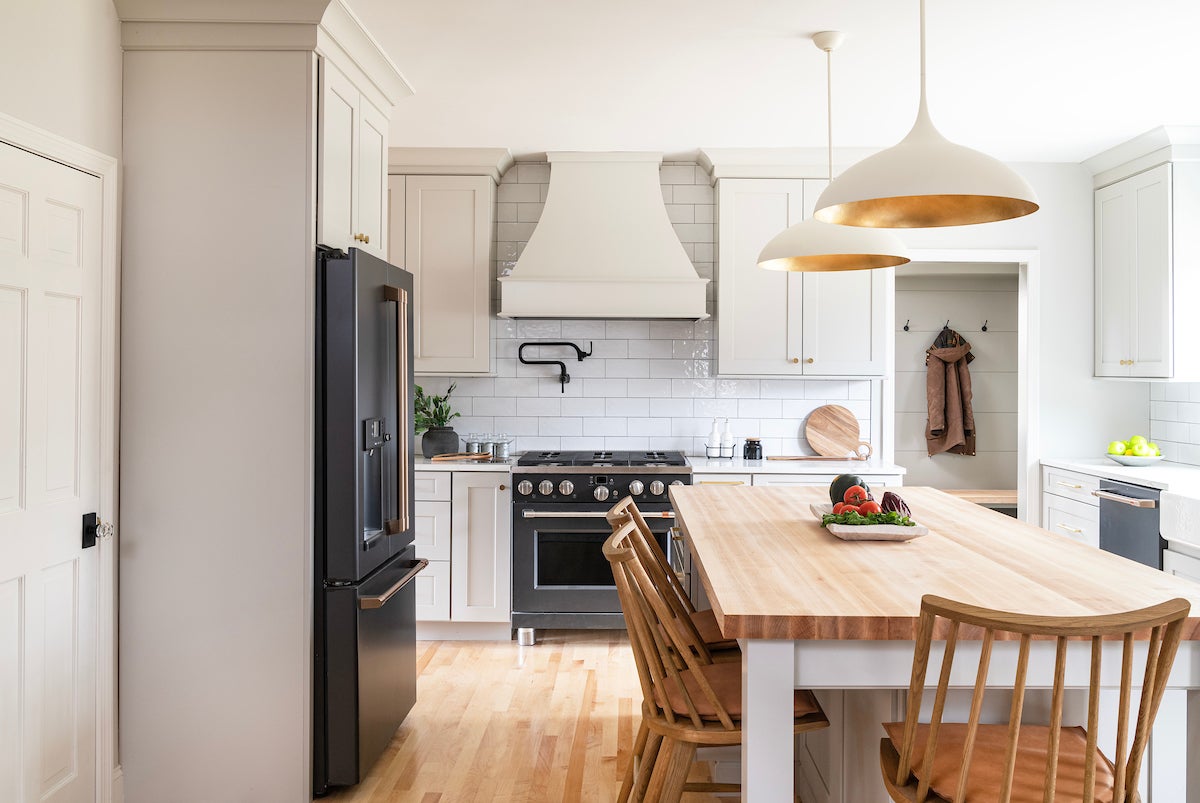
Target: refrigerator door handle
x=403 y=425
x=379 y=600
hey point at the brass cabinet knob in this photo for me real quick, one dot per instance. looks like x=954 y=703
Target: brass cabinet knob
x=366 y=238
x=504 y=487
x=809 y=361
x=795 y=360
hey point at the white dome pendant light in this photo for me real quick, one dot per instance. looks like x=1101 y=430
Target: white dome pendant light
x=811 y=245
x=925 y=181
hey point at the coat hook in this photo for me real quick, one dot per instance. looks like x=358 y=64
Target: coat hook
x=906 y=322
x=947 y=326
x=984 y=325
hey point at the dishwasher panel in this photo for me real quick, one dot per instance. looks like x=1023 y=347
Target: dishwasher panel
x=1129 y=522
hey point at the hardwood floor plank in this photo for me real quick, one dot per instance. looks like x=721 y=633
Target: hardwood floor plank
x=501 y=723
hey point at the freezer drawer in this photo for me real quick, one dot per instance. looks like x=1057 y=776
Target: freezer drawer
x=369 y=670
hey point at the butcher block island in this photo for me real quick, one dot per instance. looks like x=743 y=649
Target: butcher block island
x=840 y=617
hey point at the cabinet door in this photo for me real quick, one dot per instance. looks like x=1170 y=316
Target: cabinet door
x=845 y=318
x=432 y=530
x=1181 y=565
x=758 y=325
x=336 y=138
x=433 y=592
x=481 y=548
x=1152 y=325
x=371 y=220
x=448 y=249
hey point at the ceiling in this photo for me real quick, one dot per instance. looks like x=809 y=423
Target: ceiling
x=1024 y=80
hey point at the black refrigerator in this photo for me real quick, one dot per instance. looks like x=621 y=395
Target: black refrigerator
x=364 y=670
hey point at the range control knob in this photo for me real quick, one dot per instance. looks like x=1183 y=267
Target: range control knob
x=677 y=482
x=636 y=488
x=657 y=488
x=545 y=487
x=566 y=487
x=525 y=487
x=601 y=493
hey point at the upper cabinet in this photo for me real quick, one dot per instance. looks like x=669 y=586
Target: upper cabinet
x=351 y=165
x=441 y=230
x=1146 y=250
x=776 y=323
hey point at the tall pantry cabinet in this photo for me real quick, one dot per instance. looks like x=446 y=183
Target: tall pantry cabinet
x=231 y=170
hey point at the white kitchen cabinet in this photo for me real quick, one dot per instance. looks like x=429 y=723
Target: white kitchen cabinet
x=1181 y=565
x=779 y=323
x=351 y=165
x=1144 y=228
x=441 y=232
x=722 y=479
x=432 y=530
x=1068 y=507
x=481 y=547
x=432 y=590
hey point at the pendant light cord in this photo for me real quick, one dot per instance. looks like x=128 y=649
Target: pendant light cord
x=924 y=108
x=829 y=106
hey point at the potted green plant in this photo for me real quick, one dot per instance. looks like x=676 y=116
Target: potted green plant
x=432 y=415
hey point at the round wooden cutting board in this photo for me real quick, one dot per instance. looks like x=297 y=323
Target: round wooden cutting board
x=832 y=431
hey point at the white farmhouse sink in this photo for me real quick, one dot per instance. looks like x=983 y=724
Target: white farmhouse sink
x=1179 y=518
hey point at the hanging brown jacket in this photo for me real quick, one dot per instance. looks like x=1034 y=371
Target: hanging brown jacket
x=951 y=425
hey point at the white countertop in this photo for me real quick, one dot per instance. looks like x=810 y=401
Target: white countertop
x=424 y=464
x=704 y=465
x=1164 y=475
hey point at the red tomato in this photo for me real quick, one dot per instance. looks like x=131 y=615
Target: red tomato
x=855 y=495
x=838 y=507
x=869 y=507
x=850 y=509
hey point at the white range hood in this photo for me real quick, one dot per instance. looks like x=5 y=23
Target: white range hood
x=604 y=246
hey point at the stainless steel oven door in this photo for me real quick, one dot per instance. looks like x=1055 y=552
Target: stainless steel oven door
x=560 y=575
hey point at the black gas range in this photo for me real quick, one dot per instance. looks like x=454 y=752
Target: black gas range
x=561 y=578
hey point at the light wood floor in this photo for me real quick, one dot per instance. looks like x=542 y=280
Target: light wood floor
x=509 y=724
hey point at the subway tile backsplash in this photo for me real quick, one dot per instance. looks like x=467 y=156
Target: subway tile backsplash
x=1175 y=420
x=648 y=384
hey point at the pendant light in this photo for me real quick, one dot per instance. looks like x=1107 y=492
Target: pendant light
x=811 y=245
x=926 y=181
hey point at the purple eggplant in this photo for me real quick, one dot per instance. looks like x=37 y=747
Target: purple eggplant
x=892 y=503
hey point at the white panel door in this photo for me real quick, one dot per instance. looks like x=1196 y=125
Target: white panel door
x=371 y=225
x=845 y=316
x=481 y=547
x=336 y=152
x=49 y=477
x=1152 y=309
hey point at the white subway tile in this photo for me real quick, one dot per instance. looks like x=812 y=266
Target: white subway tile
x=583 y=330
x=722 y=408
x=705 y=213
x=529 y=213
x=704 y=329
x=627 y=330
x=517 y=193
x=1189 y=412
x=584 y=406
x=516 y=232
x=781 y=388
x=1172 y=391
x=650 y=427
x=610 y=349
x=653 y=349
x=580 y=443
x=473 y=423
x=1164 y=411
x=494 y=405
x=705 y=252
x=691 y=349
x=627 y=368
x=799 y=408
x=555 y=389
x=1194 y=389
x=671 y=408
x=858 y=389
x=744 y=427
x=671 y=330
x=780 y=427
x=539 y=444
x=738 y=388
x=506 y=252
x=626 y=407
x=687 y=232
x=759 y=408
x=862 y=410
x=543 y=192
x=560 y=426
x=516 y=425
x=692 y=427
x=506 y=213
x=694 y=194
x=1189 y=453
x=692 y=387
x=605 y=387
x=469 y=386
x=681 y=213
x=677 y=174
x=540 y=406
x=637 y=444
x=826 y=389
x=533 y=172
x=539 y=329
x=1194 y=437
x=505 y=349
x=681 y=369
x=604 y=426
x=668 y=193
x=649 y=388
x=516 y=387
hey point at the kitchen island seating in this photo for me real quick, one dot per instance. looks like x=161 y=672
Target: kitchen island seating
x=1015 y=762
x=700 y=625
x=688 y=699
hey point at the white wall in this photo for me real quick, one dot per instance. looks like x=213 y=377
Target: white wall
x=61 y=63
x=1078 y=412
x=216 y=468
x=1175 y=420
x=926 y=302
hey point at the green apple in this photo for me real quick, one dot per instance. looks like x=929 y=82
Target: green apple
x=1142 y=450
x=1116 y=447
x=1157 y=451
x=1136 y=439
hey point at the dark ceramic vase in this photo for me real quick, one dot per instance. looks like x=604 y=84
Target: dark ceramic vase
x=439 y=440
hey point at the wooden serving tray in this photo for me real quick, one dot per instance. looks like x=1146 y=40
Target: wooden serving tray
x=869 y=532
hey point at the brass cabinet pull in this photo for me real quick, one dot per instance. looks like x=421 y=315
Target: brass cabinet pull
x=363 y=238
x=1125 y=500
x=1070 y=529
x=1069 y=485
x=720 y=482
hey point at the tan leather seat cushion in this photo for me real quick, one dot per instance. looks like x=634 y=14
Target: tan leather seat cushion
x=987 y=762
x=710 y=631
x=726 y=682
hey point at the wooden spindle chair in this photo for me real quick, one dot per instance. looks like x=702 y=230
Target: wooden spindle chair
x=702 y=625
x=1016 y=762
x=688 y=700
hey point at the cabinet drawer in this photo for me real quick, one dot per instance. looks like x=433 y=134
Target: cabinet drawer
x=1181 y=565
x=1076 y=520
x=433 y=592
x=1071 y=485
x=433 y=486
x=721 y=479
x=432 y=530
x=794 y=479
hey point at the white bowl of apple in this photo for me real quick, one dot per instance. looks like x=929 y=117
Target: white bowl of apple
x=1137 y=451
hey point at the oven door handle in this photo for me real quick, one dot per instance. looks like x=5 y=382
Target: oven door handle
x=1125 y=500
x=589 y=514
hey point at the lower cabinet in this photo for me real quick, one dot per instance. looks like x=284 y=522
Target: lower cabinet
x=1068 y=507
x=1181 y=565
x=464 y=530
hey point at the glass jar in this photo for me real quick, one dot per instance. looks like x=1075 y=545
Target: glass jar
x=752 y=450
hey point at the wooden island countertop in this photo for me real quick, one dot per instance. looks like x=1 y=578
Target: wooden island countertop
x=772 y=572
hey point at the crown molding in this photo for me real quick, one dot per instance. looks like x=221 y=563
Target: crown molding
x=493 y=162
x=775 y=162
x=1175 y=143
